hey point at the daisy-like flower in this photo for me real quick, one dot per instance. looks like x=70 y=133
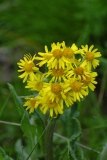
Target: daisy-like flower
x=54 y=58
x=90 y=56
x=78 y=71
x=55 y=91
x=53 y=107
x=44 y=57
x=37 y=83
x=70 y=52
x=89 y=80
x=31 y=104
x=77 y=89
x=69 y=99
x=28 y=67
x=57 y=75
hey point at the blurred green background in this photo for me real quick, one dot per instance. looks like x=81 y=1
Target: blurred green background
x=25 y=27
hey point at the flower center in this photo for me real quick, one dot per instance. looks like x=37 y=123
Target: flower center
x=87 y=80
x=56 y=88
x=76 y=86
x=89 y=56
x=51 y=104
x=79 y=70
x=33 y=102
x=29 y=66
x=57 y=53
x=38 y=86
x=68 y=52
x=58 y=72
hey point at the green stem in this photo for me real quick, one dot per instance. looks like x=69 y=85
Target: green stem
x=49 y=139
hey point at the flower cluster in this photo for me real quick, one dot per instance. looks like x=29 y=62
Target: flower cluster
x=68 y=78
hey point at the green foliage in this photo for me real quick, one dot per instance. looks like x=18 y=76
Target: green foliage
x=103 y=154
x=28 y=129
x=39 y=124
x=71 y=21
x=4 y=105
x=76 y=129
x=17 y=100
x=71 y=150
x=3 y=155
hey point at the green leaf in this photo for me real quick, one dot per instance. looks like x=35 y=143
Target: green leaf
x=68 y=121
x=39 y=124
x=103 y=154
x=28 y=129
x=17 y=100
x=3 y=155
x=72 y=154
x=79 y=152
x=4 y=105
x=64 y=154
x=67 y=154
x=76 y=128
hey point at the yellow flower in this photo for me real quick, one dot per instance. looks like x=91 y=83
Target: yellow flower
x=57 y=75
x=28 y=67
x=37 y=83
x=45 y=57
x=54 y=58
x=90 y=56
x=67 y=79
x=77 y=89
x=55 y=91
x=70 y=52
x=78 y=71
x=31 y=104
x=53 y=107
x=89 y=80
x=69 y=99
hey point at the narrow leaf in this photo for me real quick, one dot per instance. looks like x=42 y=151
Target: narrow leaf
x=17 y=100
x=4 y=105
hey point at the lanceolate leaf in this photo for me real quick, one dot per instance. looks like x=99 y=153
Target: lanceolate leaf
x=3 y=107
x=17 y=100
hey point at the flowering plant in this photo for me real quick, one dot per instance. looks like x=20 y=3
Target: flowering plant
x=68 y=78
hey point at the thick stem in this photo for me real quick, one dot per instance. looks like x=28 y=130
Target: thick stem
x=49 y=139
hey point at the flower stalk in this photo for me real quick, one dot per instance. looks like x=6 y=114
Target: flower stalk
x=48 y=139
